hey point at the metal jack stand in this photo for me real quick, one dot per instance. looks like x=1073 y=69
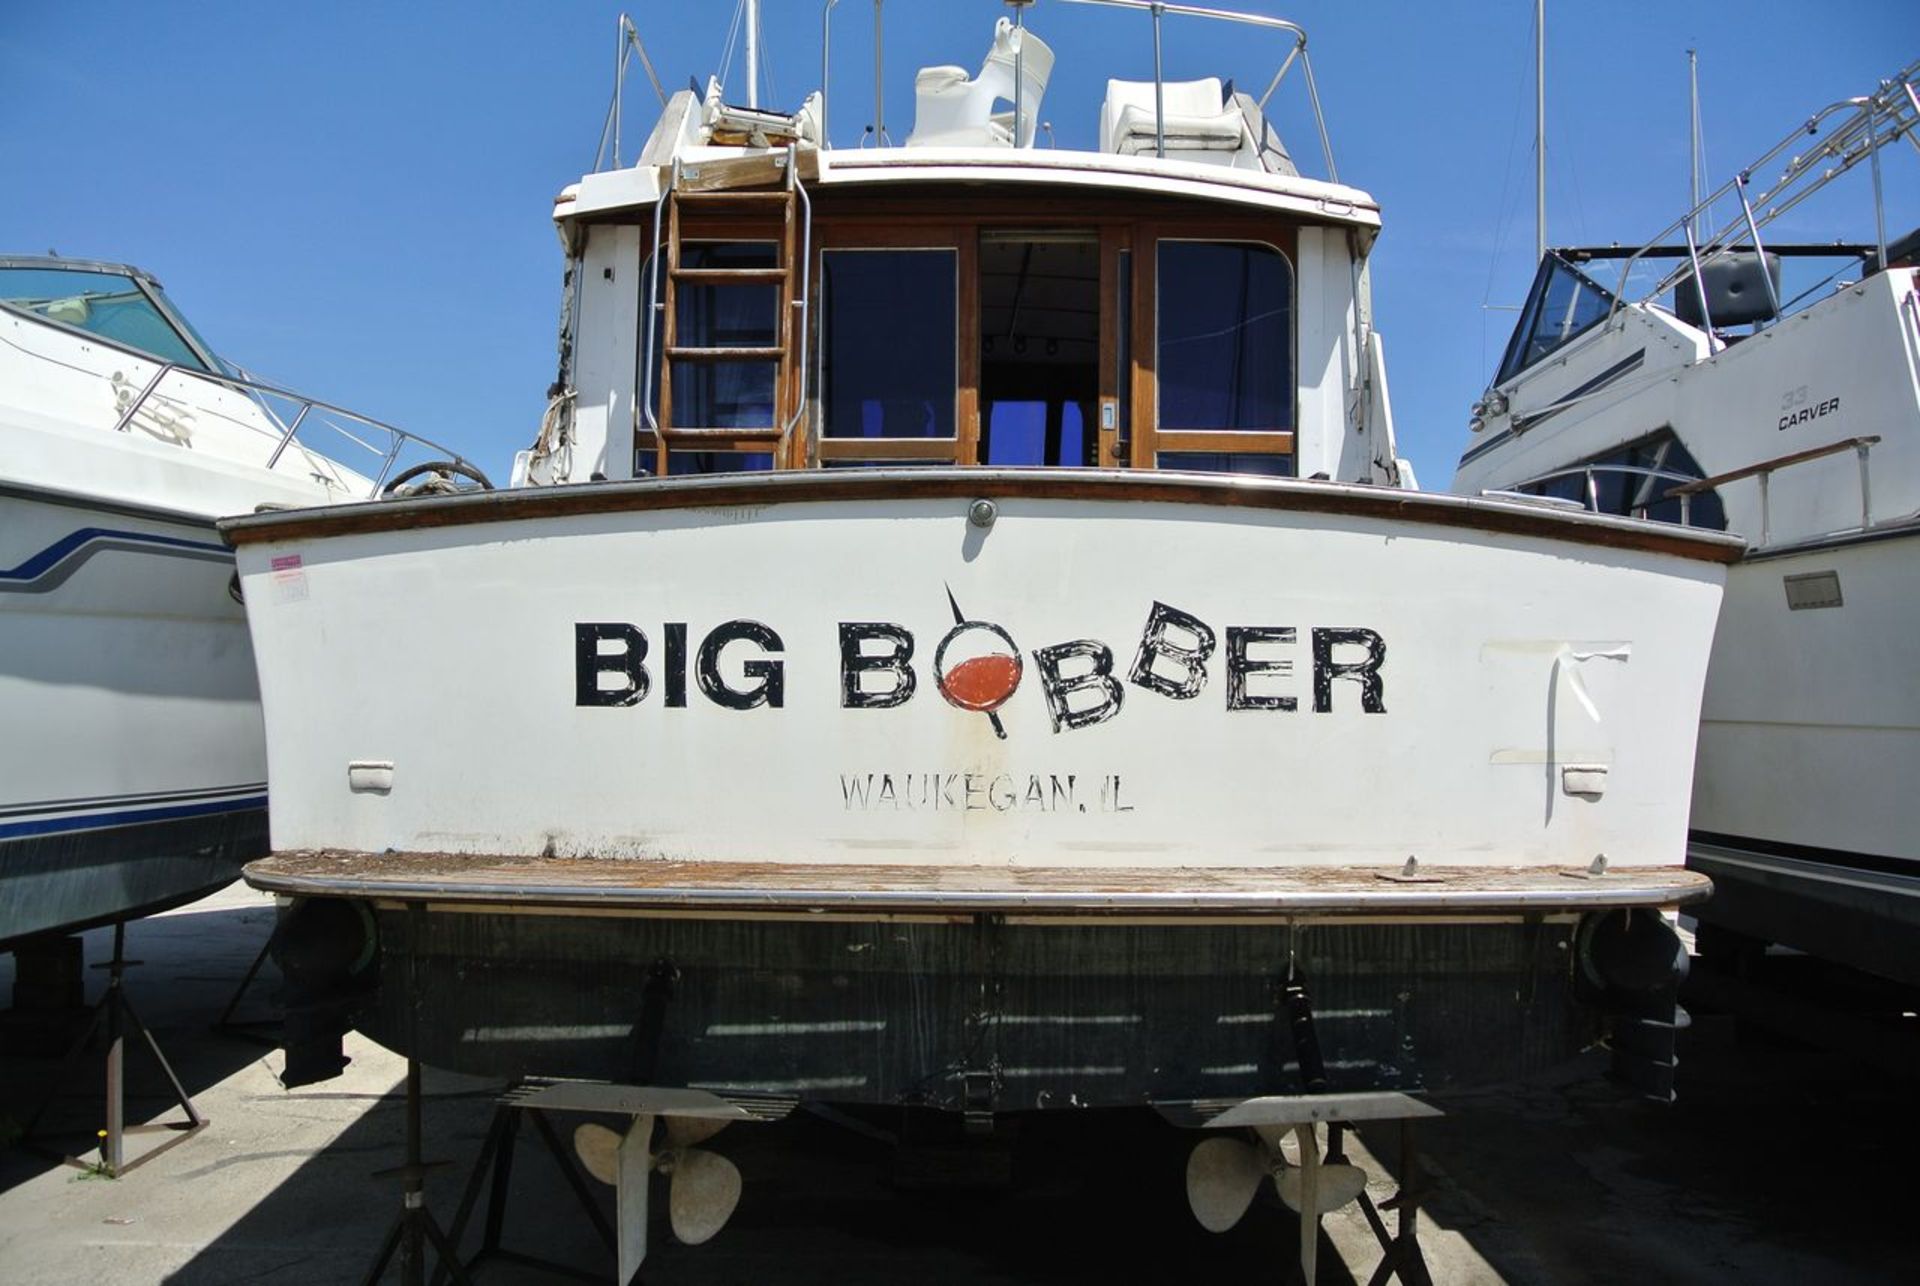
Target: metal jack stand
x=496 y=1162
x=114 y=1012
x=1402 y=1245
x=415 y=1225
x=227 y=1025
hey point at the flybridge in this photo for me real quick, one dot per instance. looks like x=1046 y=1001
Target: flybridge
x=1203 y=120
x=976 y=666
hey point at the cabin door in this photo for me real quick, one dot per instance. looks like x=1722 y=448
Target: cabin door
x=1040 y=314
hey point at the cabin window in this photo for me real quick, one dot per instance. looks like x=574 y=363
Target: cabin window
x=106 y=304
x=1563 y=304
x=1225 y=351
x=1260 y=465
x=1632 y=481
x=888 y=350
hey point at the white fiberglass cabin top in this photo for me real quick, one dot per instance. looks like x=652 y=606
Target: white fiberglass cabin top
x=960 y=300
x=965 y=642
x=1726 y=378
x=133 y=768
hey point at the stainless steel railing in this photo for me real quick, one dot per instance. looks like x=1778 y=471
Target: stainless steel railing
x=397 y=438
x=1157 y=10
x=1691 y=486
x=1590 y=475
x=1866 y=124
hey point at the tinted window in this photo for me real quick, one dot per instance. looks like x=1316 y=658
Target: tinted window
x=1266 y=466
x=102 y=303
x=1632 y=481
x=887 y=339
x=1225 y=318
x=1564 y=302
x=687 y=464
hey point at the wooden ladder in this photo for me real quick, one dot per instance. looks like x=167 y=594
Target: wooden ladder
x=735 y=200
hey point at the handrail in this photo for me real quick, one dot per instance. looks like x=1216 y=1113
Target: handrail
x=1859 y=137
x=1592 y=493
x=1157 y=8
x=1765 y=470
x=399 y=436
x=1774 y=465
x=801 y=301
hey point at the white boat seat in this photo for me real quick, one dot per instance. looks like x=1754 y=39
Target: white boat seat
x=1200 y=119
x=952 y=111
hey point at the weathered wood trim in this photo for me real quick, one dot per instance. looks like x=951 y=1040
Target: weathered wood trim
x=1129 y=487
x=771 y=887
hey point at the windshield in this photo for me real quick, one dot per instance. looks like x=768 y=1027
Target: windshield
x=108 y=304
x=1563 y=303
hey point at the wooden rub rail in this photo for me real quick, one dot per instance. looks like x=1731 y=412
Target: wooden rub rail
x=641 y=885
x=805 y=486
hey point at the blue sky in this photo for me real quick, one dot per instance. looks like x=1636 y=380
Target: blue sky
x=354 y=198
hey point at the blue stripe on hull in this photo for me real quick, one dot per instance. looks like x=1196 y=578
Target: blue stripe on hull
x=128 y=816
x=53 y=565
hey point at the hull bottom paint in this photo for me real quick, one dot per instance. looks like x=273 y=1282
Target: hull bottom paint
x=1854 y=909
x=64 y=882
x=975 y=1013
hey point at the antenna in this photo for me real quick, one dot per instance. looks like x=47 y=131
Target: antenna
x=826 y=68
x=1540 y=129
x=1693 y=141
x=753 y=53
x=879 y=91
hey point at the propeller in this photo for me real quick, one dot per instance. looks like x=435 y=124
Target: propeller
x=1223 y=1174
x=702 y=1187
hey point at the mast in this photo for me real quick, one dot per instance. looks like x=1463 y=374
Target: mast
x=1693 y=140
x=753 y=53
x=1539 y=130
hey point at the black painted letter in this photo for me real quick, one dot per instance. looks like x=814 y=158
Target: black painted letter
x=1189 y=658
x=1240 y=665
x=589 y=663
x=1366 y=673
x=1098 y=677
x=855 y=662
x=675 y=665
x=772 y=688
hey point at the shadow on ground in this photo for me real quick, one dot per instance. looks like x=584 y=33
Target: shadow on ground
x=1775 y=1166
x=1091 y=1198
x=199 y=959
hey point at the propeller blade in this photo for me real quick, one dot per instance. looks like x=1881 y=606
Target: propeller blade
x=685 y=1131
x=702 y=1194
x=1222 y=1176
x=599 y=1150
x=1339 y=1184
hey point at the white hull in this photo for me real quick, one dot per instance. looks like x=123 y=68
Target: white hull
x=135 y=775
x=1505 y=663
x=1811 y=730
x=133 y=763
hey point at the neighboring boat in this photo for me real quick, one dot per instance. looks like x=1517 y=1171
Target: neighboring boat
x=1002 y=667
x=133 y=771
x=1719 y=379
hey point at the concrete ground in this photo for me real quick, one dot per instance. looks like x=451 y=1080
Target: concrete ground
x=1778 y=1165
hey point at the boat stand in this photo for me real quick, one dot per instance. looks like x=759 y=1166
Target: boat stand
x=1224 y=1175
x=249 y=1028
x=494 y=1171
x=415 y=1225
x=114 y=1014
x=1402 y=1244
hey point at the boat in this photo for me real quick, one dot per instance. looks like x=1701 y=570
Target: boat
x=964 y=639
x=1726 y=378
x=133 y=776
